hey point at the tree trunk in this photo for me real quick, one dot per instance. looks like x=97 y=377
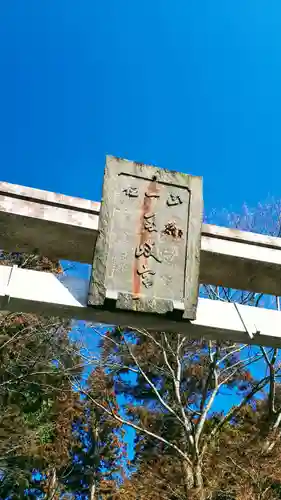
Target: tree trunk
x=198 y=480
x=193 y=480
x=93 y=491
x=53 y=485
x=187 y=477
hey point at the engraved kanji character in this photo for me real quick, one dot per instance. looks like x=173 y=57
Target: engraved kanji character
x=147 y=282
x=146 y=274
x=172 y=230
x=144 y=249
x=149 y=222
x=147 y=250
x=145 y=271
x=132 y=192
x=174 y=199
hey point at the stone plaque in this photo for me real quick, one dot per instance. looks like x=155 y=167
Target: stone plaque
x=147 y=254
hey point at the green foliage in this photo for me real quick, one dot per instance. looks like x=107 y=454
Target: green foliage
x=45 y=426
x=74 y=438
x=36 y=359
x=98 y=450
x=46 y=433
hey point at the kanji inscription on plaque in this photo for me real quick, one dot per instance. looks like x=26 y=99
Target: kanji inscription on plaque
x=148 y=248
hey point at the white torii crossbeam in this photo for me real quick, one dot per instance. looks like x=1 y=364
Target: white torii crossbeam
x=43 y=293
x=64 y=227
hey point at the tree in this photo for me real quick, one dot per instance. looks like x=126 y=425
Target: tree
x=53 y=442
x=171 y=385
x=37 y=403
x=166 y=388
x=168 y=400
x=238 y=466
x=246 y=458
x=98 y=453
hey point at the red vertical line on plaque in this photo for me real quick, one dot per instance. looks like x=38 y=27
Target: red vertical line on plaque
x=143 y=234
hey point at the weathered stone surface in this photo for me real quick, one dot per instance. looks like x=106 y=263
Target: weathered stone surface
x=60 y=226
x=148 y=246
x=53 y=224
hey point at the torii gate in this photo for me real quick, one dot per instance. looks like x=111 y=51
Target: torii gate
x=64 y=227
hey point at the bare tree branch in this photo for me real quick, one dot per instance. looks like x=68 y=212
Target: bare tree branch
x=272 y=382
x=123 y=421
x=235 y=410
x=212 y=375
x=153 y=387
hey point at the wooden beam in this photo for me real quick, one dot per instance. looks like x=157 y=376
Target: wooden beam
x=65 y=227
x=43 y=293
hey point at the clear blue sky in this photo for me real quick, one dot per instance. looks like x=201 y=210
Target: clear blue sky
x=189 y=85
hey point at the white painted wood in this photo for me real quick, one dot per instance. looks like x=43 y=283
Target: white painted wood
x=40 y=292
x=65 y=227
